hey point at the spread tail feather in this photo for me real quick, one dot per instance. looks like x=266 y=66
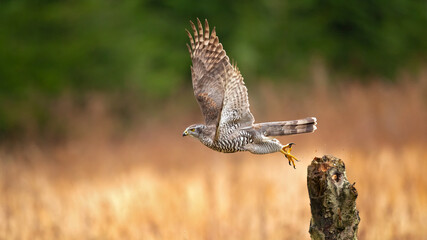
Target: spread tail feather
x=305 y=125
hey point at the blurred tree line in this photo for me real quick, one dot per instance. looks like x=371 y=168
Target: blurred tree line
x=51 y=47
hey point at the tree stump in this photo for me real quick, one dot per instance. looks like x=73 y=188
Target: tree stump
x=332 y=200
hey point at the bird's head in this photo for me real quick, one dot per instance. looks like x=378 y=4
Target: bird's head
x=194 y=130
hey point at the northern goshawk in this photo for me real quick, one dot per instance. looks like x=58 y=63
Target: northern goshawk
x=223 y=98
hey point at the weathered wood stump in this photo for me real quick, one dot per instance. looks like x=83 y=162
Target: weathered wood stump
x=332 y=200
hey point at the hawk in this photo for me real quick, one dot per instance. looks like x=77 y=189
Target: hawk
x=223 y=99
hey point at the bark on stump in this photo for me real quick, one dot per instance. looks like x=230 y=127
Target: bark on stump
x=332 y=200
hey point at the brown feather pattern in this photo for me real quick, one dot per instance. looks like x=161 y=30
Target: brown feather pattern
x=210 y=64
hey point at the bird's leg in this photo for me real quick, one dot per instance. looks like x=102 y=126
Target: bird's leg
x=286 y=150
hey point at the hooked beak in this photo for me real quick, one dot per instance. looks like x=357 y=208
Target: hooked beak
x=185 y=133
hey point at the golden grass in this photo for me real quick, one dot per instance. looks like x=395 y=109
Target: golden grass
x=154 y=184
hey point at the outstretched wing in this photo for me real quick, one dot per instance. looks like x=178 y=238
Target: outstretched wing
x=218 y=85
x=209 y=60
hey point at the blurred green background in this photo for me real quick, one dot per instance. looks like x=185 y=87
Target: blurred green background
x=136 y=48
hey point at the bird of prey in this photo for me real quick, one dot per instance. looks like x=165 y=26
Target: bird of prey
x=223 y=99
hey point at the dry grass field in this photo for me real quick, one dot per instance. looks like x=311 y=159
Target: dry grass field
x=152 y=183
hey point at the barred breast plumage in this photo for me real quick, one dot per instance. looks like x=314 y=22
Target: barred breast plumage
x=234 y=144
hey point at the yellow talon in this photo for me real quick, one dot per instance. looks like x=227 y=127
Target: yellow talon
x=286 y=150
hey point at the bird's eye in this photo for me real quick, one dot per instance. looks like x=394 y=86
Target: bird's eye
x=192 y=129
